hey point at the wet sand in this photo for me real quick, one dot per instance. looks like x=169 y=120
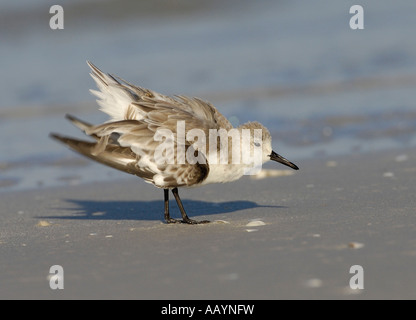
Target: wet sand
x=284 y=237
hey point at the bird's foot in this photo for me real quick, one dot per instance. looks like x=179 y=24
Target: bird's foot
x=191 y=221
x=171 y=220
x=187 y=221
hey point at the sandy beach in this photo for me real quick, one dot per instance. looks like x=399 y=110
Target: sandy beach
x=285 y=237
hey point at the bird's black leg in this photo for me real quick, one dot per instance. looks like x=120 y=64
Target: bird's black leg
x=185 y=218
x=168 y=219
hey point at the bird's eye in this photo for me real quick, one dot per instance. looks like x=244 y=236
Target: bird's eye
x=257 y=144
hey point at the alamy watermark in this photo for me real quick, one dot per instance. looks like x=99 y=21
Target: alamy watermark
x=357 y=280
x=57 y=20
x=357 y=20
x=56 y=277
x=176 y=148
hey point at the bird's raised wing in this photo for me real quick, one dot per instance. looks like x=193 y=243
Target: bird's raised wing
x=125 y=101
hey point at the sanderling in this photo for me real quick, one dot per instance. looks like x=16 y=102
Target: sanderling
x=170 y=142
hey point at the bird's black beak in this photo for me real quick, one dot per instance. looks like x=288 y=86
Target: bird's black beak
x=277 y=157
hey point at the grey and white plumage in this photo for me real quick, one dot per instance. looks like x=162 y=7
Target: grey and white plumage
x=127 y=141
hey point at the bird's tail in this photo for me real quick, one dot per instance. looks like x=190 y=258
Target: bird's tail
x=105 y=150
x=83 y=125
x=117 y=157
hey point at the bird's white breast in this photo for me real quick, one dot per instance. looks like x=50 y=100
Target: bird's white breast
x=221 y=173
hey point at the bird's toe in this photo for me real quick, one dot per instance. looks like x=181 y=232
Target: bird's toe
x=192 y=221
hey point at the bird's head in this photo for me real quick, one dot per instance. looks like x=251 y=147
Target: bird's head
x=264 y=140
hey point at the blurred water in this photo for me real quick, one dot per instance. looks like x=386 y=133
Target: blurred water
x=296 y=66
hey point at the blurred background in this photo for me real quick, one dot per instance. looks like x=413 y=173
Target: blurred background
x=321 y=88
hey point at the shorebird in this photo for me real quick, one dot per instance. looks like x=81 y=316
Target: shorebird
x=127 y=141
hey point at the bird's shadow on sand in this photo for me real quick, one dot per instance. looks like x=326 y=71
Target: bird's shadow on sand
x=147 y=210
